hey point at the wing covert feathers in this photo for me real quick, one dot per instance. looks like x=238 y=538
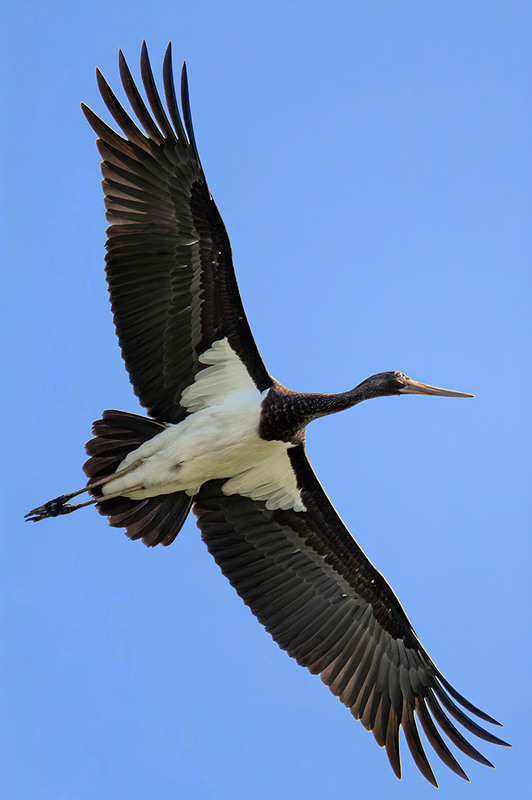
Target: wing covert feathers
x=305 y=578
x=169 y=266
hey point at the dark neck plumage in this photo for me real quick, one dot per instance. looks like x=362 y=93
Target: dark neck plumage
x=285 y=414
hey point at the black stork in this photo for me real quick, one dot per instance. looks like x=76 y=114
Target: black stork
x=224 y=438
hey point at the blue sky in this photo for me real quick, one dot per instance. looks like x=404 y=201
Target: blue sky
x=372 y=163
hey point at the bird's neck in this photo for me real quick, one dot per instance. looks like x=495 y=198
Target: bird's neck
x=285 y=414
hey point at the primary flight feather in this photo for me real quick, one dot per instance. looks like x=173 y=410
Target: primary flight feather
x=224 y=438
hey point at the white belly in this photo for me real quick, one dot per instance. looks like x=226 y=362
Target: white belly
x=217 y=440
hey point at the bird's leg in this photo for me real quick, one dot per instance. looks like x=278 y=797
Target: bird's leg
x=59 y=505
x=67 y=508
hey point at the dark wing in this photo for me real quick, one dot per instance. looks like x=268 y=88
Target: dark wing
x=169 y=268
x=309 y=583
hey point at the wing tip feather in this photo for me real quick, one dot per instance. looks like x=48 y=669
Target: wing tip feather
x=467 y=704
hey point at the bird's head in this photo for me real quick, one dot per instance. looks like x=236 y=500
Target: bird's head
x=388 y=383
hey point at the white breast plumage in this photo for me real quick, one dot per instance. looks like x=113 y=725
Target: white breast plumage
x=219 y=439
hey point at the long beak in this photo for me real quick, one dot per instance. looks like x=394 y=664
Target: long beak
x=415 y=387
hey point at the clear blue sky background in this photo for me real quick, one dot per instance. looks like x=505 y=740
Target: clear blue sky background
x=372 y=162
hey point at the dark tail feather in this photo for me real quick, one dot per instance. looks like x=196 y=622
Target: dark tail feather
x=155 y=520
x=116 y=435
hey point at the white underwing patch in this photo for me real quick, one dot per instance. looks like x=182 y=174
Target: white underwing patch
x=271 y=480
x=226 y=375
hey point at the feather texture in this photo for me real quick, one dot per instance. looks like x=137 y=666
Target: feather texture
x=309 y=583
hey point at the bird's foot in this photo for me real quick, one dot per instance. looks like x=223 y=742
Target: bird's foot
x=53 y=508
x=59 y=505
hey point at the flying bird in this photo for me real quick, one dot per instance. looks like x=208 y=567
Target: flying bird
x=225 y=439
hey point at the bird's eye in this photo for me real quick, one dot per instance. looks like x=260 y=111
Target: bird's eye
x=400 y=375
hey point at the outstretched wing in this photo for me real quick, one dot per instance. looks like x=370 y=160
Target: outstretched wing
x=169 y=267
x=309 y=583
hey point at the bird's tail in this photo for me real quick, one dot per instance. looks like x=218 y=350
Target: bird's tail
x=155 y=520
